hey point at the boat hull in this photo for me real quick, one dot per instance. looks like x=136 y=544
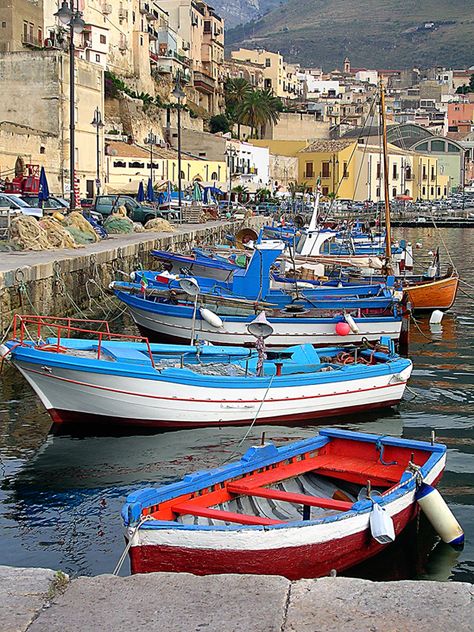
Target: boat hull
x=439 y=294
x=76 y=396
x=287 y=332
x=296 y=553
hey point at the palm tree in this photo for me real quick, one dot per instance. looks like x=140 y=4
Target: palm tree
x=259 y=108
x=236 y=91
x=241 y=192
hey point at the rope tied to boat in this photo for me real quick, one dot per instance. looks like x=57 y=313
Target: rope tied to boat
x=379 y=446
x=132 y=534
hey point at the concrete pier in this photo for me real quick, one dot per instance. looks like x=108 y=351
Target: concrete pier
x=40 y=600
x=61 y=282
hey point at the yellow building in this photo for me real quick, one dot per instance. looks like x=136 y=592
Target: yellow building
x=329 y=160
x=430 y=184
x=128 y=165
x=278 y=75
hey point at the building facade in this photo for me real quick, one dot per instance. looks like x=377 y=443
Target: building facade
x=21 y=25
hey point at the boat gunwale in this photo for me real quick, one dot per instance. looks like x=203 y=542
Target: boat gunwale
x=138 y=501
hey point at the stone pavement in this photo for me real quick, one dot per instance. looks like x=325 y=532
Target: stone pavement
x=38 y=600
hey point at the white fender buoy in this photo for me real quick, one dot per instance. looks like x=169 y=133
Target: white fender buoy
x=381 y=525
x=418 y=244
x=436 y=317
x=133 y=276
x=211 y=318
x=352 y=323
x=439 y=515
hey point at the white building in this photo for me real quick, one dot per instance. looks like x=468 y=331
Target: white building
x=368 y=76
x=249 y=165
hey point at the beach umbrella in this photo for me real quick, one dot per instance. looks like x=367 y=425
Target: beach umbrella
x=140 y=193
x=43 y=194
x=150 y=194
x=197 y=192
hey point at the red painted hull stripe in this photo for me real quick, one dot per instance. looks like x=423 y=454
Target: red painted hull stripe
x=213 y=401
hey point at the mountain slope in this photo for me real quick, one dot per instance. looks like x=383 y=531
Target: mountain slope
x=373 y=33
x=242 y=11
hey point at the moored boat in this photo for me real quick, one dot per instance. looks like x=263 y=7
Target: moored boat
x=298 y=511
x=108 y=379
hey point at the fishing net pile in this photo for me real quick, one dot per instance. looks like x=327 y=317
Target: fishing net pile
x=118 y=223
x=80 y=229
x=27 y=233
x=159 y=224
x=57 y=235
x=138 y=228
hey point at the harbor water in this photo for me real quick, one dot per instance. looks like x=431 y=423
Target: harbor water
x=61 y=494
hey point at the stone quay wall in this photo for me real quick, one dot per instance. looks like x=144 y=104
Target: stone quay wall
x=69 y=282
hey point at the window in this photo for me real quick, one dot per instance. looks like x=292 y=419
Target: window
x=103 y=39
x=325 y=170
x=394 y=192
x=207 y=26
x=213 y=175
x=432 y=172
x=40 y=36
x=408 y=173
x=268 y=62
x=325 y=191
x=42 y=149
x=439 y=191
x=395 y=172
x=453 y=149
x=309 y=170
x=136 y=165
x=182 y=175
x=424 y=190
x=4 y=25
x=25 y=31
x=377 y=192
x=345 y=170
x=424 y=172
x=437 y=145
x=379 y=170
x=31 y=31
x=141 y=40
x=97 y=58
x=432 y=190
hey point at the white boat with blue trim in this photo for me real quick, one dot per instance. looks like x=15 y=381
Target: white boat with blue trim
x=111 y=380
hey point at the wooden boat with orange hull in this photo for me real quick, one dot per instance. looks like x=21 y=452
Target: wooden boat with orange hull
x=433 y=294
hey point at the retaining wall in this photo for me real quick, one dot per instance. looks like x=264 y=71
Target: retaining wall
x=66 y=282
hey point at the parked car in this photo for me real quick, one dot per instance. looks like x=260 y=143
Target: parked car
x=87 y=203
x=15 y=203
x=52 y=204
x=138 y=212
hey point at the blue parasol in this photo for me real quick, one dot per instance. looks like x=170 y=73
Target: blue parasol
x=140 y=193
x=150 y=194
x=43 y=193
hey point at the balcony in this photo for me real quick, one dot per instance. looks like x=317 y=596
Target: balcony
x=203 y=83
x=29 y=40
x=147 y=9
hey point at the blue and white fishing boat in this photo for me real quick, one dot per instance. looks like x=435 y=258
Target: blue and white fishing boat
x=109 y=379
x=301 y=510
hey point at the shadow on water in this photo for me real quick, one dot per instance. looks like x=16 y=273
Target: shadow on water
x=61 y=490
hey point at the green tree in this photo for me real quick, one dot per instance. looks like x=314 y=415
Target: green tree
x=242 y=192
x=236 y=91
x=259 y=108
x=465 y=89
x=219 y=123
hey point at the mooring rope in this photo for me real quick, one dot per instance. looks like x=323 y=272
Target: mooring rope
x=122 y=558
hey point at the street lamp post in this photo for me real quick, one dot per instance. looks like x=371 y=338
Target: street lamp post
x=151 y=140
x=179 y=95
x=73 y=18
x=98 y=124
x=231 y=154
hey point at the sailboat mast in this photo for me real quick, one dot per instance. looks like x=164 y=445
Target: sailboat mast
x=388 y=232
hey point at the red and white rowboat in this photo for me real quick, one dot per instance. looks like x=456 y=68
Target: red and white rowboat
x=296 y=511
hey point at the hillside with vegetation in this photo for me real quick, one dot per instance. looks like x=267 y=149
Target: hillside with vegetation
x=373 y=33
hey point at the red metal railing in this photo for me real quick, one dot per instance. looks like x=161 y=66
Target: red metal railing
x=63 y=327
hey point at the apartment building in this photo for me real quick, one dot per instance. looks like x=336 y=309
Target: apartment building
x=21 y=25
x=201 y=30
x=252 y=73
x=278 y=75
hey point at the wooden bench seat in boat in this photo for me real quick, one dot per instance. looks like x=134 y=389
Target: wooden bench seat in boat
x=350 y=469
